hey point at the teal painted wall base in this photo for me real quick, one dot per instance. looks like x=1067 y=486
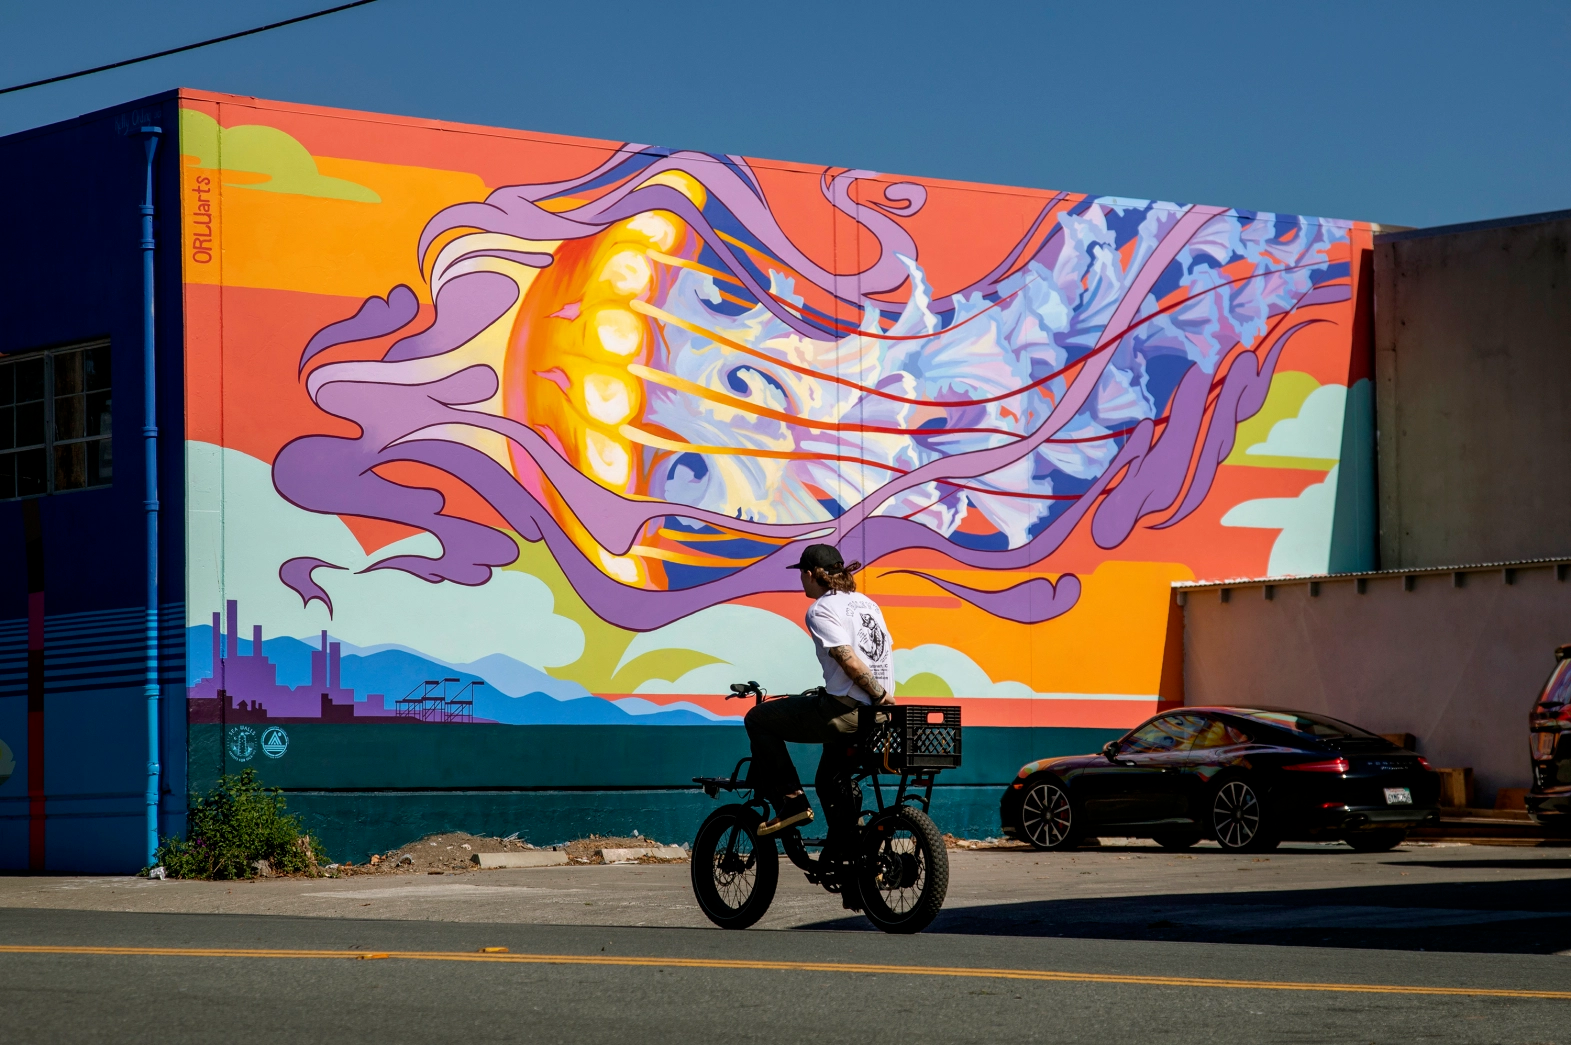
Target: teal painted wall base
x=365 y=788
x=353 y=826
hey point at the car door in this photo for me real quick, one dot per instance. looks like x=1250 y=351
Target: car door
x=1214 y=744
x=1164 y=793
x=1142 y=783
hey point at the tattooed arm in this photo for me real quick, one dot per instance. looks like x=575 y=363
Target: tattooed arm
x=859 y=673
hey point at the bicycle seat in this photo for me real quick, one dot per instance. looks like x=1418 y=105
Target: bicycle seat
x=713 y=785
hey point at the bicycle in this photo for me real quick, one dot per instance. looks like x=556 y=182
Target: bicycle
x=892 y=865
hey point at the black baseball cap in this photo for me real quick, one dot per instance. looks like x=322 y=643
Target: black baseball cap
x=818 y=556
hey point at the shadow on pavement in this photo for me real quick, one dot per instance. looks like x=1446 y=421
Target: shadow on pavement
x=1554 y=865
x=1519 y=917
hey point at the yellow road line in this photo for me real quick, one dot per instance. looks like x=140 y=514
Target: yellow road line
x=1041 y=975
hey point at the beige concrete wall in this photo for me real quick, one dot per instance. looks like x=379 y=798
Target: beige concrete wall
x=1457 y=667
x=1473 y=392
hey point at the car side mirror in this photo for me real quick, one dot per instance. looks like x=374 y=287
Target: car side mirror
x=1110 y=750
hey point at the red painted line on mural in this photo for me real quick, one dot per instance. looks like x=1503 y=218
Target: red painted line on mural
x=1216 y=384
x=847 y=329
x=692 y=388
x=1211 y=396
x=1103 y=346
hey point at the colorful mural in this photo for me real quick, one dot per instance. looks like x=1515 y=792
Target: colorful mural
x=546 y=417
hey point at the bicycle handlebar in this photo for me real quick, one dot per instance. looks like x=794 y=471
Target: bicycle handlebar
x=747 y=689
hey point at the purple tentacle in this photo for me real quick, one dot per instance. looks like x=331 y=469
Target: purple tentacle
x=296 y=575
x=377 y=317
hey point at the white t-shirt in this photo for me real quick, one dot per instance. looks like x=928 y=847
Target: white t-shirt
x=850 y=619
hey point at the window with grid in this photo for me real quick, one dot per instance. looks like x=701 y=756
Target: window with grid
x=55 y=414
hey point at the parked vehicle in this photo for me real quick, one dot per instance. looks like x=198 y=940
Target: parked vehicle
x=1247 y=777
x=1549 y=724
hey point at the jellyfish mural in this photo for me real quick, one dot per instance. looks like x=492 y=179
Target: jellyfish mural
x=640 y=368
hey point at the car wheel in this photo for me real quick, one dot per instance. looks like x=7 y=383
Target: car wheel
x=1177 y=839
x=1376 y=841
x=1047 y=818
x=1239 y=820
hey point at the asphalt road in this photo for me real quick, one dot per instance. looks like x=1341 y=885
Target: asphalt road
x=1089 y=946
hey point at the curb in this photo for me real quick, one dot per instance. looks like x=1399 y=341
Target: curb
x=660 y=852
x=534 y=858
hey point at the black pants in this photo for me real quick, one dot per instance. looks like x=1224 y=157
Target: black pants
x=814 y=717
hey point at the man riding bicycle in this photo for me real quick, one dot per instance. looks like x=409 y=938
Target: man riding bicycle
x=854 y=649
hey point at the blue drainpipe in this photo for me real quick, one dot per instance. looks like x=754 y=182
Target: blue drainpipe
x=150 y=497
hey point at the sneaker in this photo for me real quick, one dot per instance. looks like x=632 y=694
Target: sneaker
x=793 y=811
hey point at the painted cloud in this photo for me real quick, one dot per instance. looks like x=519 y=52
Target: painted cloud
x=1304 y=545
x=1315 y=433
x=511 y=614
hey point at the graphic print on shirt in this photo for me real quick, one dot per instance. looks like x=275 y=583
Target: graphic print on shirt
x=871 y=640
x=840 y=619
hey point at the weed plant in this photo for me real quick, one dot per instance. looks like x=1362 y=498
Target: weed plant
x=235 y=825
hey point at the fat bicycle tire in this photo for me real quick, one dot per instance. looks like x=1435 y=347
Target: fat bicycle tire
x=902 y=871
x=734 y=871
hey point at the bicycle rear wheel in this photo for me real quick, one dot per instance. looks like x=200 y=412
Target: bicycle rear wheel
x=903 y=870
x=734 y=871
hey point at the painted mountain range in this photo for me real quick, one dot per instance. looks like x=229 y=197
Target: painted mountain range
x=288 y=678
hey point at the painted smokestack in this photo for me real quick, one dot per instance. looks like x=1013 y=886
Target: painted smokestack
x=256 y=640
x=233 y=636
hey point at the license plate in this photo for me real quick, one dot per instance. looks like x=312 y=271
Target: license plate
x=1398 y=796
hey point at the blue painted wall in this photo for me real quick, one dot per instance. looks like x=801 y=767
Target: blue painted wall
x=72 y=272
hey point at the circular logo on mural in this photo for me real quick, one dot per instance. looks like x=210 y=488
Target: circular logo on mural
x=242 y=743
x=274 y=742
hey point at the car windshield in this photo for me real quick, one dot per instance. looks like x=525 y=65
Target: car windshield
x=1558 y=688
x=1168 y=733
x=1318 y=726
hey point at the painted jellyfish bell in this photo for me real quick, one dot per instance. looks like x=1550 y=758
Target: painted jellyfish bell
x=567 y=367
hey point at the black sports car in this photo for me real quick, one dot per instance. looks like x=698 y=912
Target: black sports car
x=1247 y=777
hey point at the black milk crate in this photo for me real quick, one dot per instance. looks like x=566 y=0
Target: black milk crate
x=916 y=737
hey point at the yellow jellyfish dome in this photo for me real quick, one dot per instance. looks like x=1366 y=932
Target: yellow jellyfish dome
x=576 y=335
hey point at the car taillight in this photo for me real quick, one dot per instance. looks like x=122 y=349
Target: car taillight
x=1335 y=765
x=1423 y=761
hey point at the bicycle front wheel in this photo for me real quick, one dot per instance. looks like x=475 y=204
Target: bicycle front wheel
x=734 y=871
x=903 y=870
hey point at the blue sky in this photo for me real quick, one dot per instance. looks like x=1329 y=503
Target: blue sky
x=1410 y=113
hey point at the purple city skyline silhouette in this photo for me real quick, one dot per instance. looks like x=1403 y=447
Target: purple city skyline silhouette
x=245 y=689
